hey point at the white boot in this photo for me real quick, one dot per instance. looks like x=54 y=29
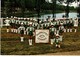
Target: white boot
x=30 y=41
x=56 y=45
x=11 y=30
x=51 y=41
x=22 y=39
x=67 y=30
x=14 y=30
x=59 y=46
x=75 y=30
x=64 y=30
x=70 y=30
x=7 y=30
x=24 y=32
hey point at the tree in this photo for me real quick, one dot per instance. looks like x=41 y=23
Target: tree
x=78 y=9
x=67 y=6
x=54 y=8
x=7 y=6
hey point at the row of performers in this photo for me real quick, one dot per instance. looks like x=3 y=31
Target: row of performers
x=56 y=28
x=55 y=32
x=55 y=35
x=68 y=24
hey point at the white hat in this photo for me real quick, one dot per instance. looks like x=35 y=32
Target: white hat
x=21 y=23
x=27 y=18
x=11 y=16
x=14 y=17
x=24 y=18
x=7 y=17
x=40 y=21
x=30 y=23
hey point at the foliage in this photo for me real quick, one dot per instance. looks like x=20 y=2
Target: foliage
x=15 y=7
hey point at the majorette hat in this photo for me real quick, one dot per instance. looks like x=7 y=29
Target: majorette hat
x=27 y=18
x=11 y=16
x=30 y=23
x=7 y=18
x=21 y=23
x=24 y=18
x=14 y=17
x=39 y=21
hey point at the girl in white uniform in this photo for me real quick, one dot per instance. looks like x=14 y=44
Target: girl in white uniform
x=61 y=31
x=52 y=30
x=75 y=24
x=7 y=21
x=30 y=31
x=57 y=41
x=21 y=30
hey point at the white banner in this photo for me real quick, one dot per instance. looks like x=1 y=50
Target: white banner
x=42 y=36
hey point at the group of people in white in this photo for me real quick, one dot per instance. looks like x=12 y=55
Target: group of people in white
x=27 y=26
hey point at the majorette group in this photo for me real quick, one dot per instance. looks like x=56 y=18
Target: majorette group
x=27 y=26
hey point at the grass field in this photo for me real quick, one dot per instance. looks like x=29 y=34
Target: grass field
x=11 y=45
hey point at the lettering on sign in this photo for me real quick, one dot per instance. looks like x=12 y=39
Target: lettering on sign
x=42 y=36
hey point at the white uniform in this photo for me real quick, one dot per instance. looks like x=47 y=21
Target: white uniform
x=7 y=22
x=20 y=29
x=53 y=29
x=29 y=29
x=30 y=32
x=61 y=27
x=76 y=23
x=50 y=23
x=12 y=20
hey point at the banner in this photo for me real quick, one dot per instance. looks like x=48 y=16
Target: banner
x=42 y=36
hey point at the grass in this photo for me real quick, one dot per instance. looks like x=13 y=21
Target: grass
x=11 y=45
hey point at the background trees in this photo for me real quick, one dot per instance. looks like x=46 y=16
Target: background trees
x=24 y=7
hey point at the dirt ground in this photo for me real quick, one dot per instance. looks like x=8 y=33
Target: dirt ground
x=65 y=53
